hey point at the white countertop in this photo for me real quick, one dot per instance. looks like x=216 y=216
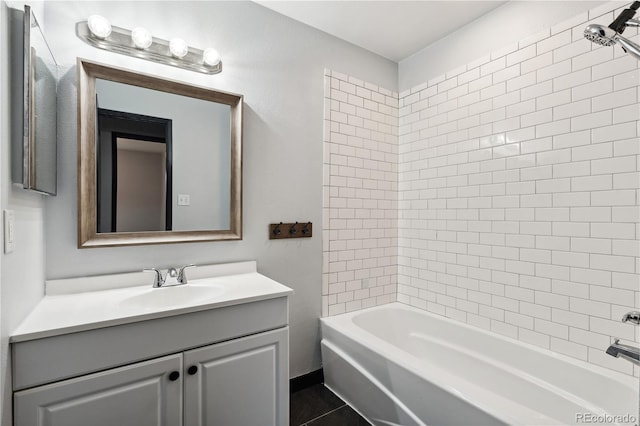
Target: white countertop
x=63 y=313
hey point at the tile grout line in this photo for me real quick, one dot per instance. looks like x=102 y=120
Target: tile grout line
x=324 y=414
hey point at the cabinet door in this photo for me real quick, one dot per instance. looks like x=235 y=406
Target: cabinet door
x=141 y=394
x=242 y=382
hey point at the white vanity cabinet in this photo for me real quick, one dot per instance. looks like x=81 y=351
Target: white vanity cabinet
x=238 y=382
x=99 y=360
x=140 y=394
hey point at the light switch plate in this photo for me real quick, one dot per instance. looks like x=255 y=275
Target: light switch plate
x=9 y=219
x=184 y=200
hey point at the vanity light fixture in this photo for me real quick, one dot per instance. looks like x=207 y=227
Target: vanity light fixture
x=99 y=26
x=178 y=47
x=141 y=38
x=211 y=56
x=139 y=43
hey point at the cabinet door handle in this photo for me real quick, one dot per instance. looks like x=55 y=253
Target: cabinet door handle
x=174 y=375
x=192 y=370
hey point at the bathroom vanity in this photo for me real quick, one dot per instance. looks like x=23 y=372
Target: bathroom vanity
x=210 y=352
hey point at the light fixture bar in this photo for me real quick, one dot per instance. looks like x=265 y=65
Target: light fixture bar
x=119 y=41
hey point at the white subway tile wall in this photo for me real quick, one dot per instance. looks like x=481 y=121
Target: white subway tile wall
x=360 y=205
x=515 y=186
x=519 y=193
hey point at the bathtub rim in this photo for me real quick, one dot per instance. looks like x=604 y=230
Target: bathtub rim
x=343 y=324
x=624 y=379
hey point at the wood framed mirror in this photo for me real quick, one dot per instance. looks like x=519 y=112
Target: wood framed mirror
x=159 y=161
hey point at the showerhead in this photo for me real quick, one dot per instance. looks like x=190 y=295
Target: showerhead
x=600 y=34
x=606 y=36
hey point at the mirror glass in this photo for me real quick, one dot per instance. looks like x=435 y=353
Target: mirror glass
x=34 y=147
x=160 y=160
x=163 y=160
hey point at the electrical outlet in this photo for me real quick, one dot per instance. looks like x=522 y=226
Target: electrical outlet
x=9 y=220
x=184 y=200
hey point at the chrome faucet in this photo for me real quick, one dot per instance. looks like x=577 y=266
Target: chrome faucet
x=627 y=352
x=173 y=276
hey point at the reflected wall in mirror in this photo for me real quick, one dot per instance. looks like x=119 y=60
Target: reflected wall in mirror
x=34 y=81
x=134 y=171
x=159 y=161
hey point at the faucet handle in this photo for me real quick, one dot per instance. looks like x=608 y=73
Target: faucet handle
x=633 y=317
x=182 y=276
x=158 y=281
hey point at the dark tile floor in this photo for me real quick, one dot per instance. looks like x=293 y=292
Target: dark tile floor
x=318 y=406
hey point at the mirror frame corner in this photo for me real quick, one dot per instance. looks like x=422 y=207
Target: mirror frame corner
x=88 y=237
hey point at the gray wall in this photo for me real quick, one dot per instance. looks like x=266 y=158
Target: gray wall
x=278 y=65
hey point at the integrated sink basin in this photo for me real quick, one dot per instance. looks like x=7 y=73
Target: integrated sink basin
x=88 y=303
x=176 y=295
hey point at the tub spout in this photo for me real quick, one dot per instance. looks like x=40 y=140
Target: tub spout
x=627 y=352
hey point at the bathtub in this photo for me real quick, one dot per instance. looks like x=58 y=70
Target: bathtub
x=398 y=365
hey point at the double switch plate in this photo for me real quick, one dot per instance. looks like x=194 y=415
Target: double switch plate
x=9 y=220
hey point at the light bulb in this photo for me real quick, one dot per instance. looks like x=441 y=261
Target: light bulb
x=211 y=57
x=178 y=47
x=141 y=37
x=99 y=26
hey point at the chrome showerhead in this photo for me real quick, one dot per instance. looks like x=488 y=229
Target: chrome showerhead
x=600 y=34
x=606 y=36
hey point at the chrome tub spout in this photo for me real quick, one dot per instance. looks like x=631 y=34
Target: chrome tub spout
x=630 y=353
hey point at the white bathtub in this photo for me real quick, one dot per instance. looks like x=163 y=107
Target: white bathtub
x=398 y=365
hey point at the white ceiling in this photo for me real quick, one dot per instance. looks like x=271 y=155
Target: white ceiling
x=392 y=29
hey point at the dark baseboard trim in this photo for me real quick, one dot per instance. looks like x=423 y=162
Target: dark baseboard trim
x=306 y=380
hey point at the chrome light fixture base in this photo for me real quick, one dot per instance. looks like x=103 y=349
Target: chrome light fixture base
x=119 y=41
